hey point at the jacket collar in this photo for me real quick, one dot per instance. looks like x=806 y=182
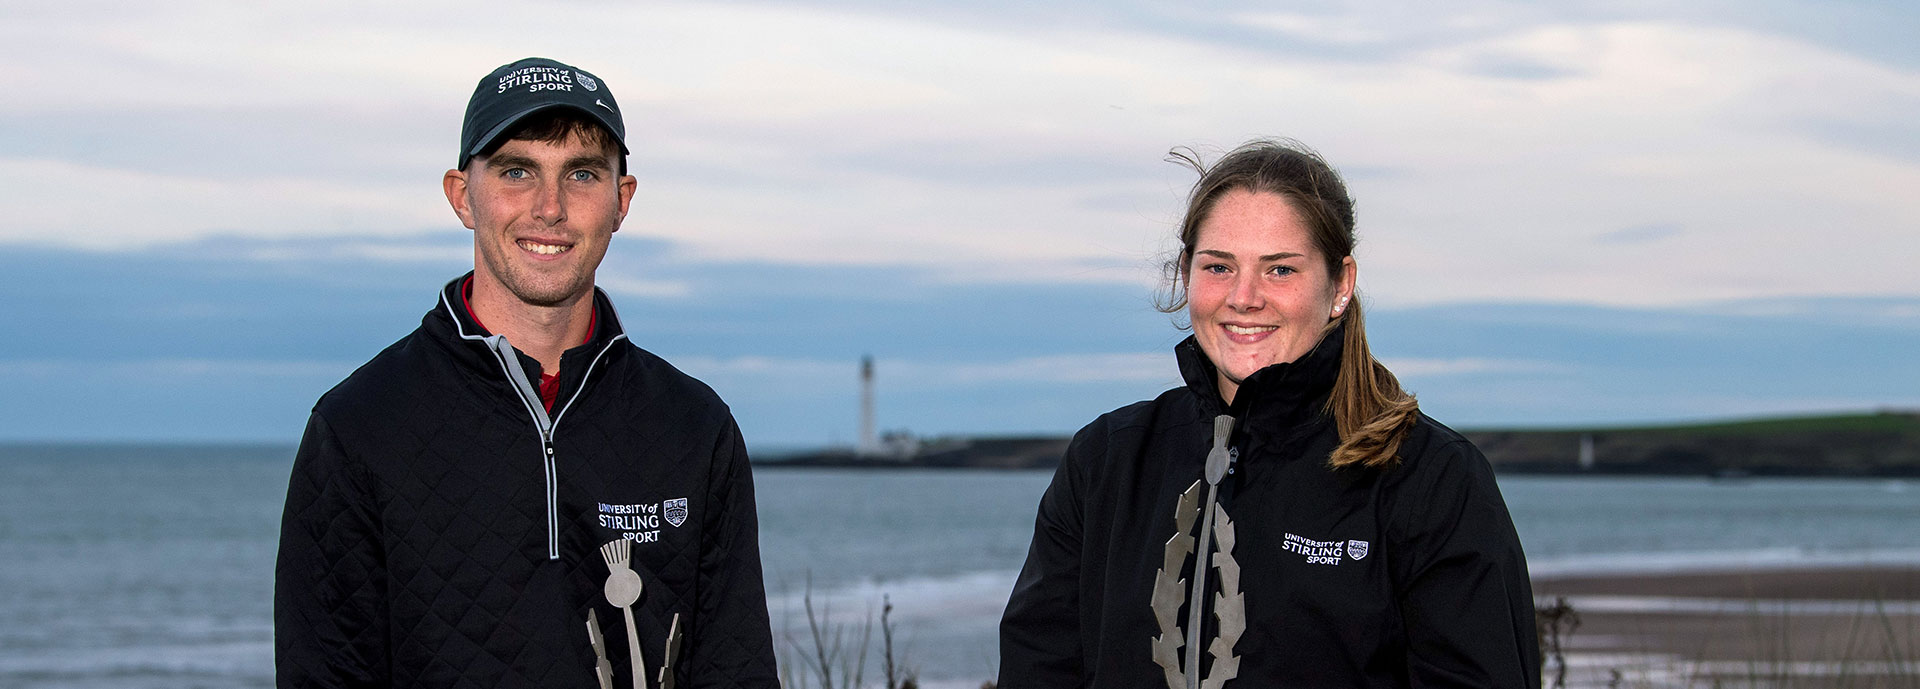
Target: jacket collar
x=451 y=322
x=1280 y=398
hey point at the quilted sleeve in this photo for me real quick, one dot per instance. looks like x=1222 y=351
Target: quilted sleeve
x=1040 y=632
x=1462 y=578
x=731 y=642
x=329 y=597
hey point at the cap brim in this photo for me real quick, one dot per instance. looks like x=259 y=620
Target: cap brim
x=483 y=142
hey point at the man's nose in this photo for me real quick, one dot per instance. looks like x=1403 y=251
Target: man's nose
x=549 y=204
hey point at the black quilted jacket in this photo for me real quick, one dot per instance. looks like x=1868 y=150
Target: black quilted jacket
x=1405 y=577
x=443 y=530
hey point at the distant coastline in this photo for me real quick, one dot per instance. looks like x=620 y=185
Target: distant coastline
x=1883 y=444
x=1878 y=444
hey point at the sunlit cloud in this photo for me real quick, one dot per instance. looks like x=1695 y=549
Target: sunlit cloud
x=1462 y=366
x=1525 y=144
x=625 y=285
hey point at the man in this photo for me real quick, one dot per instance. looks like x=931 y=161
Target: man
x=514 y=494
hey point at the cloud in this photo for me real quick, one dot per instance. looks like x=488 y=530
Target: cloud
x=625 y=285
x=1638 y=234
x=162 y=370
x=1896 y=313
x=823 y=135
x=1315 y=28
x=1525 y=68
x=1056 y=369
x=1072 y=368
x=54 y=202
x=1413 y=367
x=235 y=338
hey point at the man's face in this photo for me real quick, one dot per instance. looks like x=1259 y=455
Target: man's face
x=542 y=215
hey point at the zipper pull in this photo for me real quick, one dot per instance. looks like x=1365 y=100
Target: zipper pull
x=1219 y=458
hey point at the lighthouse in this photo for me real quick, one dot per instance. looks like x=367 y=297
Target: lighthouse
x=869 y=442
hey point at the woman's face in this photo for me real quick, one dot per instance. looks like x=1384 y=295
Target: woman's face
x=1258 y=291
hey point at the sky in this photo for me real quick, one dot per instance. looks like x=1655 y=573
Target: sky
x=1569 y=213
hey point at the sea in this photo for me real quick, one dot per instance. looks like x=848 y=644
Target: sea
x=152 y=566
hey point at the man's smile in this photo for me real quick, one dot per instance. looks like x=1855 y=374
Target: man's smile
x=543 y=248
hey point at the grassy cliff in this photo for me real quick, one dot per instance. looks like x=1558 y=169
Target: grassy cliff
x=1881 y=444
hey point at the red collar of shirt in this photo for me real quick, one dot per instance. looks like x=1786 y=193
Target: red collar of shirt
x=549 y=382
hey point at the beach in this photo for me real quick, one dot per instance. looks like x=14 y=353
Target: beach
x=1818 y=626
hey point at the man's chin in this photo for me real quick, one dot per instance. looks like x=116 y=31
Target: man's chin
x=549 y=297
x=543 y=300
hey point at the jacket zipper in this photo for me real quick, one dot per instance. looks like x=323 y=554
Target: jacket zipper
x=530 y=398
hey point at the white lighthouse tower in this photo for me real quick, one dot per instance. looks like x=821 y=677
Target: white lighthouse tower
x=869 y=441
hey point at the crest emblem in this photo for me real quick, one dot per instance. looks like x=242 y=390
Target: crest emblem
x=586 y=81
x=675 y=511
x=1356 y=549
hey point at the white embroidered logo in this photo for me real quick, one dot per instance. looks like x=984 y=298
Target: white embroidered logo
x=1317 y=552
x=586 y=82
x=537 y=79
x=639 y=523
x=1356 y=549
x=676 y=511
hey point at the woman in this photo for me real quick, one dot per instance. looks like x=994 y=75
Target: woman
x=1342 y=538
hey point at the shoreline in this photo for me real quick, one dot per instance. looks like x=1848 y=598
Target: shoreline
x=1813 y=625
x=1829 y=620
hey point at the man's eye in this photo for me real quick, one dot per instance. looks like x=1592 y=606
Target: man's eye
x=515 y=173
x=582 y=176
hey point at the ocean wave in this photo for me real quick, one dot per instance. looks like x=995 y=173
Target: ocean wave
x=966 y=597
x=980 y=596
x=1668 y=562
x=235 y=660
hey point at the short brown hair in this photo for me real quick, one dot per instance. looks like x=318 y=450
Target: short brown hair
x=556 y=125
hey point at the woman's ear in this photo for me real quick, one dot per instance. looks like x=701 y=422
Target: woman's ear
x=1343 y=290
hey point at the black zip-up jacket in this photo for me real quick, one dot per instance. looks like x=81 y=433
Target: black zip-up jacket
x=443 y=530
x=1411 y=576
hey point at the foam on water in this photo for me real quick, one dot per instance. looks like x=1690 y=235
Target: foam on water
x=1779 y=558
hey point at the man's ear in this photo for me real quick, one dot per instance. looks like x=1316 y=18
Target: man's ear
x=627 y=186
x=454 y=183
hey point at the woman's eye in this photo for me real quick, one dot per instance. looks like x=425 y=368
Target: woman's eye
x=1283 y=271
x=1214 y=268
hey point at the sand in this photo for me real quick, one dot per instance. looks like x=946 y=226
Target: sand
x=1804 y=627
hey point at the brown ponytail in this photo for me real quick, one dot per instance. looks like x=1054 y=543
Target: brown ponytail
x=1371 y=411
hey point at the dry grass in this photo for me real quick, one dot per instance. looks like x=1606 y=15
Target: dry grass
x=830 y=657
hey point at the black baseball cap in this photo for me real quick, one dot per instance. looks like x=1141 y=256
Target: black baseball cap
x=531 y=85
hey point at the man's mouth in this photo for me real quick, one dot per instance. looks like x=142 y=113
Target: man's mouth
x=544 y=249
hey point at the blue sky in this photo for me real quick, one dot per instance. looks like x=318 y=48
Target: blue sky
x=1573 y=213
